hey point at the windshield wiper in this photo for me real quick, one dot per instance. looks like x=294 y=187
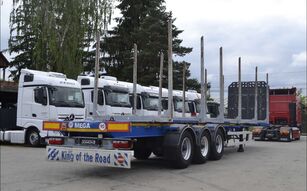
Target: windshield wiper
x=60 y=103
x=153 y=108
x=76 y=104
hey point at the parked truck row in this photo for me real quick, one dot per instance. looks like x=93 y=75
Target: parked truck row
x=44 y=96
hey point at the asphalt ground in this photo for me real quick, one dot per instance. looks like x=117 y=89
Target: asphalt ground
x=263 y=166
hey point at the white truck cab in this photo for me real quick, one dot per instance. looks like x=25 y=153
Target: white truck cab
x=147 y=99
x=190 y=110
x=44 y=96
x=113 y=96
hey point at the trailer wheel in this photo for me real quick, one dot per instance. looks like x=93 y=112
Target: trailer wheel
x=217 y=146
x=142 y=153
x=184 y=151
x=202 y=151
x=33 y=137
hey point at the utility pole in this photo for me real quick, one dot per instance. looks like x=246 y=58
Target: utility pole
x=160 y=83
x=239 y=92
x=183 y=88
x=135 y=54
x=256 y=94
x=170 y=69
x=221 y=86
x=267 y=99
x=203 y=108
x=95 y=97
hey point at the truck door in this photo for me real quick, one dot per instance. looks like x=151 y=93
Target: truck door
x=292 y=114
x=40 y=105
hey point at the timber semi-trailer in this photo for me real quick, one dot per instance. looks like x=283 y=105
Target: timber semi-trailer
x=112 y=143
x=113 y=140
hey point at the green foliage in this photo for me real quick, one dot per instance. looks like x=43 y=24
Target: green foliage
x=55 y=34
x=143 y=22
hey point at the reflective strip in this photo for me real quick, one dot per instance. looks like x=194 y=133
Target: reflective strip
x=118 y=126
x=51 y=126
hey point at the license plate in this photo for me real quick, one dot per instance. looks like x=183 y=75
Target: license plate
x=84 y=141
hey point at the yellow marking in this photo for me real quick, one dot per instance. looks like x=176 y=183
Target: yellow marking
x=121 y=127
x=52 y=126
x=83 y=130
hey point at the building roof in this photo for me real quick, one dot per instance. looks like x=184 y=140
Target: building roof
x=3 y=61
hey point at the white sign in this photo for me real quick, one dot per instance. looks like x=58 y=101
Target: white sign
x=110 y=158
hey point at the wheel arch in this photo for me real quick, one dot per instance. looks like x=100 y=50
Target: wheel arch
x=28 y=129
x=199 y=131
x=172 y=138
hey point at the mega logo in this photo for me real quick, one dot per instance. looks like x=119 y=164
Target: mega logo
x=82 y=125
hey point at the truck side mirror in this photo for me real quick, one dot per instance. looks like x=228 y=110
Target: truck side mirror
x=100 y=97
x=100 y=100
x=40 y=95
x=164 y=104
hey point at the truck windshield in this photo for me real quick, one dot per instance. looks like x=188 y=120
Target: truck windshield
x=151 y=103
x=65 y=97
x=120 y=99
x=178 y=106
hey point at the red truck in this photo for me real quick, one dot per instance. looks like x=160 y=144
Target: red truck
x=285 y=117
x=285 y=107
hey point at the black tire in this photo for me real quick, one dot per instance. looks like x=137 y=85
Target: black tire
x=142 y=153
x=184 y=151
x=262 y=136
x=202 y=151
x=33 y=138
x=217 y=146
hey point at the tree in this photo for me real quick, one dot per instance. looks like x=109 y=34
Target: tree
x=55 y=34
x=143 y=22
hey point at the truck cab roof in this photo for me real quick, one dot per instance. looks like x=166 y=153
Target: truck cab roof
x=34 y=77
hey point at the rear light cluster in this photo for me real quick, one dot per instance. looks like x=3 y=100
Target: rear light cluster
x=122 y=144
x=55 y=141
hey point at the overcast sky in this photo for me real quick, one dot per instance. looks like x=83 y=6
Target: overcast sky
x=270 y=34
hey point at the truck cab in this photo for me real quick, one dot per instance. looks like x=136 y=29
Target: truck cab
x=147 y=99
x=46 y=96
x=113 y=96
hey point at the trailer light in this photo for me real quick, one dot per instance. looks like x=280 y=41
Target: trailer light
x=122 y=144
x=193 y=114
x=56 y=141
x=284 y=132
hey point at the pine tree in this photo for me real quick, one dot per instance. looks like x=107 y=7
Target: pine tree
x=143 y=22
x=55 y=35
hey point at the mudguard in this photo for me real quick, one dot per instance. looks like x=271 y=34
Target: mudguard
x=213 y=128
x=172 y=138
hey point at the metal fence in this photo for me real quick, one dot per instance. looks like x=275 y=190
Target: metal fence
x=248 y=100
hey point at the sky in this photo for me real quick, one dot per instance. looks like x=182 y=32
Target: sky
x=269 y=34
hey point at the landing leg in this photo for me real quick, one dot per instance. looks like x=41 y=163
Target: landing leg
x=241 y=148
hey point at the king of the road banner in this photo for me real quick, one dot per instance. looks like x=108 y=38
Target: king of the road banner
x=109 y=158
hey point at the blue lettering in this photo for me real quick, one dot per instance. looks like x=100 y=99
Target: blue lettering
x=67 y=156
x=87 y=157
x=102 y=159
